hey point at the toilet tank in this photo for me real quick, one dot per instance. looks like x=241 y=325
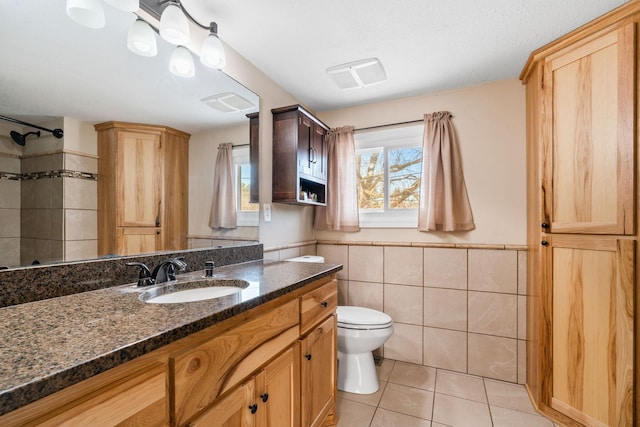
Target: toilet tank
x=307 y=258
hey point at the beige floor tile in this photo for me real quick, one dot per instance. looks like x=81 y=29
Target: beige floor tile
x=384 y=370
x=461 y=385
x=503 y=417
x=354 y=414
x=418 y=376
x=368 y=399
x=434 y=424
x=385 y=418
x=510 y=396
x=407 y=400
x=458 y=412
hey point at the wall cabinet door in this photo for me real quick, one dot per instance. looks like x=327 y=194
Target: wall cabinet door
x=318 y=372
x=589 y=125
x=138 y=240
x=140 y=179
x=588 y=291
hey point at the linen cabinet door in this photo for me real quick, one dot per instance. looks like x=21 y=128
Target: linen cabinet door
x=588 y=133
x=589 y=297
x=140 y=179
x=318 y=373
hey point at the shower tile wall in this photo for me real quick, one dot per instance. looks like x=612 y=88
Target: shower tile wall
x=9 y=210
x=461 y=309
x=59 y=208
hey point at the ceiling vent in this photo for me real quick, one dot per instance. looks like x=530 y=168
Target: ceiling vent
x=228 y=102
x=362 y=73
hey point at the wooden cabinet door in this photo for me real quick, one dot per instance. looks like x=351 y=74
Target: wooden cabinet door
x=319 y=152
x=254 y=157
x=140 y=179
x=278 y=391
x=589 y=136
x=138 y=240
x=588 y=291
x=233 y=410
x=305 y=140
x=318 y=373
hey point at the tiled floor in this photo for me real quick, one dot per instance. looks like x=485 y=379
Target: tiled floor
x=420 y=396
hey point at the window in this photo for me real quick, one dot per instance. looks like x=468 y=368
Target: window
x=388 y=166
x=247 y=213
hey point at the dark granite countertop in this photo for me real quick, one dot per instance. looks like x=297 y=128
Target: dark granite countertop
x=51 y=344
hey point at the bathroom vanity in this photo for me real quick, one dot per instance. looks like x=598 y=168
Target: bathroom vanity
x=265 y=356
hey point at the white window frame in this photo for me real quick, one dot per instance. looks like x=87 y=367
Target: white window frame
x=243 y=218
x=396 y=137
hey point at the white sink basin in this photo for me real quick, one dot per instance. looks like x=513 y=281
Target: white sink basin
x=197 y=290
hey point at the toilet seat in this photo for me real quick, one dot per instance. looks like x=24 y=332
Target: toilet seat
x=362 y=318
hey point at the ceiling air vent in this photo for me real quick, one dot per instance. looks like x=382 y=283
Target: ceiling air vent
x=228 y=102
x=362 y=73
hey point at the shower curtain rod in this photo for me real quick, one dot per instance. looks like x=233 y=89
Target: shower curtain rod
x=56 y=132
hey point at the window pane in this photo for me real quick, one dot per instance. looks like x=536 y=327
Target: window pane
x=404 y=177
x=244 y=181
x=370 y=171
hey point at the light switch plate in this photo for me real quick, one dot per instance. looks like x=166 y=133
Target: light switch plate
x=266 y=208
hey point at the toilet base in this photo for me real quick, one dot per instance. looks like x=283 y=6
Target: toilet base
x=357 y=373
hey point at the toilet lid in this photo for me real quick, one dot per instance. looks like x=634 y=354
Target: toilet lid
x=353 y=317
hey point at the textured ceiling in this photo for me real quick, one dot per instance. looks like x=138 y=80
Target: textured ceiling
x=51 y=66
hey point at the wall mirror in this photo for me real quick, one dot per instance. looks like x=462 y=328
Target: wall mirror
x=58 y=74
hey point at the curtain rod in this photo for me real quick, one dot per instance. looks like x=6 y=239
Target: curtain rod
x=390 y=124
x=237 y=146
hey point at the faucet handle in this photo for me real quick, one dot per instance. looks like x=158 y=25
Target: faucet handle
x=144 y=277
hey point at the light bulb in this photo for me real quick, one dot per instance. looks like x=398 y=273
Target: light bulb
x=141 y=39
x=89 y=13
x=181 y=63
x=174 y=26
x=212 y=52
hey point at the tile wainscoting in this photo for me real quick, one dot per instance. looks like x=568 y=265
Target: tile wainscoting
x=455 y=307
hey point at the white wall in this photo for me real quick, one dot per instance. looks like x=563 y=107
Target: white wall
x=489 y=120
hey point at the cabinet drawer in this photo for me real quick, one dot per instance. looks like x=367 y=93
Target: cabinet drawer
x=317 y=305
x=139 y=401
x=202 y=373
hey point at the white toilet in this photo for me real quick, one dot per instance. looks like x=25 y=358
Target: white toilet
x=360 y=331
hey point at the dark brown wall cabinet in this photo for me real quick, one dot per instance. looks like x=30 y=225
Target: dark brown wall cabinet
x=254 y=142
x=299 y=157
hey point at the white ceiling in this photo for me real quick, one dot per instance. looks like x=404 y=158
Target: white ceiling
x=51 y=66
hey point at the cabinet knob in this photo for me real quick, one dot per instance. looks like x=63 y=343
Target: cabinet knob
x=308 y=356
x=253 y=408
x=544 y=243
x=324 y=304
x=264 y=397
x=544 y=225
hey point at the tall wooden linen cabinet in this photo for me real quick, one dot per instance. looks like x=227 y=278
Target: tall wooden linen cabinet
x=142 y=188
x=582 y=196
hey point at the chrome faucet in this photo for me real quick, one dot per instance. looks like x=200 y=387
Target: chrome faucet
x=164 y=272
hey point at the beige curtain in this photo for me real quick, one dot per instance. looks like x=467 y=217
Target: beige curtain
x=341 y=212
x=223 y=207
x=444 y=203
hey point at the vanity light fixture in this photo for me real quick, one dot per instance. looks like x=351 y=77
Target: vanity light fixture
x=358 y=74
x=125 y=5
x=141 y=39
x=181 y=63
x=89 y=13
x=174 y=28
